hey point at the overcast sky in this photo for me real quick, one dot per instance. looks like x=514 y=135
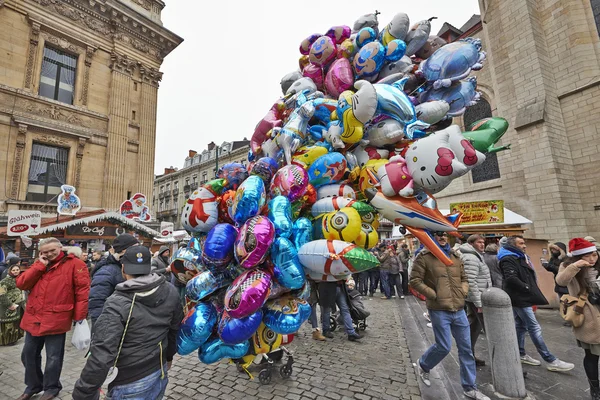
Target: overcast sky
x=225 y=75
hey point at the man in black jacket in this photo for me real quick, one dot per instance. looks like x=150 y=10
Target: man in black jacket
x=520 y=282
x=107 y=275
x=136 y=334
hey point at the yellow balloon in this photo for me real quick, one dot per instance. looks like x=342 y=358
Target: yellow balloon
x=368 y=237
x=343 y=224
x=265 y=340
x=365 y=181
x=306 y=155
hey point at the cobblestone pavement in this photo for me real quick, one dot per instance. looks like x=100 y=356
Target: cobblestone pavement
x=378 y=367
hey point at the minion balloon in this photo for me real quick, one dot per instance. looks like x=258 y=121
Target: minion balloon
x=339 y=225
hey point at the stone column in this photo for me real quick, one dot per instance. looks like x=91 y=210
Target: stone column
x=116 y=151
x=18 y=163
x=147 y=139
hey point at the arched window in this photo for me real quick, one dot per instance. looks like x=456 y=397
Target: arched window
x=489 y=169
x=596 y=10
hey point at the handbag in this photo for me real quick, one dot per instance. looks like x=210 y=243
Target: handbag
x=571 y=309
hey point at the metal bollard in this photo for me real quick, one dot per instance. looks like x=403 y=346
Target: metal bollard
x=505 y=360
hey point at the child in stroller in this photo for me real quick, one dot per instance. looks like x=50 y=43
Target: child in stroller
x=357 y=309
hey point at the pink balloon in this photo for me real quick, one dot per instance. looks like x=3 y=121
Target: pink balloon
x=339 y=78
x=315 y=73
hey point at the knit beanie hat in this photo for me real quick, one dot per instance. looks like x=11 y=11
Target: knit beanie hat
x=503 y=241
x=580 y=246
x=590 y=239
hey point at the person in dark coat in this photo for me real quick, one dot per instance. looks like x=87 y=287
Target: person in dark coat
x=108 y=275
x=330 y=295
x=490 y=257
x=136 y=333
x=558 y=253
x=520 y=282
x=160 y=263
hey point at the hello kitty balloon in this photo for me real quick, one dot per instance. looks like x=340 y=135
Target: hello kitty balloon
x=430 y=164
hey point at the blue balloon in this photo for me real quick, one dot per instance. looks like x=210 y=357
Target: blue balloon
x=196 y=328
x=215 y=350
x=234 y=174
x=218 y=249
x=233 y=330
x=288 y=271
x=249 y=199
x=206 y=283
x=280 y=214
x=302 y=232
x=394 y=103
x=265 y=168
x=286 y=314
x=303 y=293
x=327 y=169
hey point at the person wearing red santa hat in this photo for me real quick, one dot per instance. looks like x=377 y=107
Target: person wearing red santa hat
x=579 y=274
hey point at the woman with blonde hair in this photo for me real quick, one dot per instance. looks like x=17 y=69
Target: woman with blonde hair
x=579 y=274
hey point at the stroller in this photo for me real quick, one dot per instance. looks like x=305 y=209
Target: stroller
x=357 y=311
x=268 y=359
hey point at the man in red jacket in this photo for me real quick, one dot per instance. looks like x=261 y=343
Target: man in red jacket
x=59 y=285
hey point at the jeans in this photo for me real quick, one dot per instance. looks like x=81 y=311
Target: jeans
x=525 y=321
x=363 y=282
x=342 y=303
x=31 y=357
x=385 y=282
x=475 y=321
x=152 y=387
x=374 y=278
x=395 y=287
x=404 y=275
x=314 y=321
x=445 y=323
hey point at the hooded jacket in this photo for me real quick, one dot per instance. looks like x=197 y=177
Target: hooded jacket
x=554 y=264
x=150 y=339
x=58 y=295
x=520 y=281
x=105 y=278
x=159 y=264
x=445 y=287
x=477 y=273
x=491 y=260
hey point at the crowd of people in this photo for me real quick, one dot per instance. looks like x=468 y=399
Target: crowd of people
x=453 y=298
x=135 y=306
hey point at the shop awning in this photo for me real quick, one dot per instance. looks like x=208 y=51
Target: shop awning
x=63 y=222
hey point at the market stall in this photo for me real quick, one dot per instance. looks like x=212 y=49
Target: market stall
x=91 y=229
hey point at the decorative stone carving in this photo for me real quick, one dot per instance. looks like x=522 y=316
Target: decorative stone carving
x=122 y=63
x=33 y=45
x=57 y=113
x=62 y=43
x=51 y=139
x=20 y=150
x=151 y=75
x=107 y=21
x=80 y=148
x=89 y=53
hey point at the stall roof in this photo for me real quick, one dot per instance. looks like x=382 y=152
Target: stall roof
x=510 y=218
x=87 y=217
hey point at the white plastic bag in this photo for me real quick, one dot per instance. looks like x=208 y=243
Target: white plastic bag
x=81 y=335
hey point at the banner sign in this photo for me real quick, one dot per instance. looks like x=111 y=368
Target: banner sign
x=23 y=222
x=95 y=231
x=480 y=212
x=166 y=230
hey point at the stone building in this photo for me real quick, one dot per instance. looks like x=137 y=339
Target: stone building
x=78 y=95
x=172 y=189
x=543 y=75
